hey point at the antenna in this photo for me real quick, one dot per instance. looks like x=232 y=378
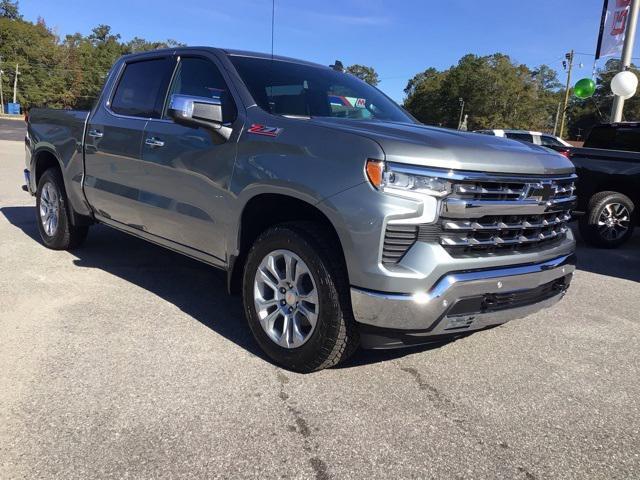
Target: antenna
x=273 y=18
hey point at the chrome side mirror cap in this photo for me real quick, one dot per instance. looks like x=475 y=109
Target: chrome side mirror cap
x=196 y=111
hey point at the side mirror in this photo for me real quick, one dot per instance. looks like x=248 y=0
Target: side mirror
x=196 y=111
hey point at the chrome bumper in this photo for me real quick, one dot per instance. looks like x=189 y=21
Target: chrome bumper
x=440 y=311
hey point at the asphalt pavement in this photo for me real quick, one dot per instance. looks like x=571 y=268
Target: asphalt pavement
x=12 y=129
x=125 y=360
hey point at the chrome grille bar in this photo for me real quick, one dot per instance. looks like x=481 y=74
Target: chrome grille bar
x=468 y=225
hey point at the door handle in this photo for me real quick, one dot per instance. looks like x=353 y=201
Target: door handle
x=154 y=142
x=95 y=133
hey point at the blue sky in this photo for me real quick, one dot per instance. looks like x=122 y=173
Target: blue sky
x=398 y=37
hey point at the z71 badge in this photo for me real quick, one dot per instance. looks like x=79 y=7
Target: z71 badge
x=264 y=130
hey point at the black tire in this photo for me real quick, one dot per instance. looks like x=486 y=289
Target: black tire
x=65 y=236
x=335 y=336
x=598 y=235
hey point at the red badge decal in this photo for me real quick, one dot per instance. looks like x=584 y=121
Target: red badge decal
x=264 y=130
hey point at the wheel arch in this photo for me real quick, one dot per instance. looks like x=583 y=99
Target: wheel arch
x=43 y=159
x=264 y=211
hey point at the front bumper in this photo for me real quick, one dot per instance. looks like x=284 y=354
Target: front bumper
x=461 y=302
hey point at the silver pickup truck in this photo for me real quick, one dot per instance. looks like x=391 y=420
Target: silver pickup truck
x=340 y=219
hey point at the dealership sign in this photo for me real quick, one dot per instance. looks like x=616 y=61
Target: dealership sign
x=613 y=27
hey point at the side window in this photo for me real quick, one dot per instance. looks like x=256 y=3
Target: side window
x=199 y=77
x=628 y=139
x=141 y=89
x=549 y=141
x=524 y=137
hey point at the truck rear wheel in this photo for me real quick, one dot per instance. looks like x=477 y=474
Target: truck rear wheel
x=54 y=224
x=609 y=220
x=296 y=298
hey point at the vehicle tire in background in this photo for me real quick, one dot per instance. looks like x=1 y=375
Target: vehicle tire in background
x=608 y=222
x=52 y=212
x=296 y=298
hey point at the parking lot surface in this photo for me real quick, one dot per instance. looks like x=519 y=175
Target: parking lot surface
x=125 y=360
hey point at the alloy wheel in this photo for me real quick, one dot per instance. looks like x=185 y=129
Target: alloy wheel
x=49 y=208
x=286 y=298
x=614 y=221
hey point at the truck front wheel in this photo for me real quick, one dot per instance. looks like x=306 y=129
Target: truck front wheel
x=54 y=225
x=608 y=222
x=296 y=298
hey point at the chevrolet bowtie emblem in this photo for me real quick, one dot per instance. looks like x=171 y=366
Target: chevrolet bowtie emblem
x=541 y=192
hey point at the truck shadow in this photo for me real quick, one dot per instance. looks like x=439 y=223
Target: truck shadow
x=200 y=290
x=623 y=262
x=195 y=288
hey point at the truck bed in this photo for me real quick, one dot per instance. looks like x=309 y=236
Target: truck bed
x=59 y=136
x=62 y=128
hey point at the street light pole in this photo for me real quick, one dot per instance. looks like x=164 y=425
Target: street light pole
x=627 y=52
x=569 y=56
x=461 y=112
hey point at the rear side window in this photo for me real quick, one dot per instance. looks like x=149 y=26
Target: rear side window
x=142 y=87
x=549 y=141
x=524 y=137
x=199 y=77
x=615 y=138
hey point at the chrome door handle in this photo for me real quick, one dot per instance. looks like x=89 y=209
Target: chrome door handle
x=95 y=133
x=154 y=142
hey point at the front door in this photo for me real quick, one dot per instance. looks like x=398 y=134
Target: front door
x=188 y=169
x=113 y=147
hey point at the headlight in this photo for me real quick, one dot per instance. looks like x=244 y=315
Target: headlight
x=399 y=180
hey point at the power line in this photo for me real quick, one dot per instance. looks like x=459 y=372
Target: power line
x=593 y=55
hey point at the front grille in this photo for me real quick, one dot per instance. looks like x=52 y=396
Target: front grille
x=503 y=233
x=506 y=190
x=492 y=215
x=523 y=214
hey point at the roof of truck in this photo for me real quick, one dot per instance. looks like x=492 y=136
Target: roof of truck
x=268 y=56
x=231 y=52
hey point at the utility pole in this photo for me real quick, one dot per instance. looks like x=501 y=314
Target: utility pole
x=555 y=125
x=1 y=96
x=627 y=51
x=569 y=57
x=461 y=100
x=15 y=84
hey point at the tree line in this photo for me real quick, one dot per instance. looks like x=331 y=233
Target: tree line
x=68 y=72
x=59 y=72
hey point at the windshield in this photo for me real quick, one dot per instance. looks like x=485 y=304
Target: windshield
x=286 y=88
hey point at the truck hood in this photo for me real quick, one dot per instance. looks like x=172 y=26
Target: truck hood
x=417 y=144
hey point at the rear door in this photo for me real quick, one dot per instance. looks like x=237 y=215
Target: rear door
x=187 y=170
x=113 y=145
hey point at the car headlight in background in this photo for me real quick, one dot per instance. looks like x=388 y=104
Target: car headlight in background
x=407 y=181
